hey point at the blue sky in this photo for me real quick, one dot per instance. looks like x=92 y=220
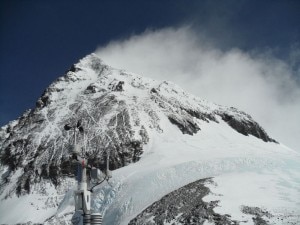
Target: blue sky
x=40 y=40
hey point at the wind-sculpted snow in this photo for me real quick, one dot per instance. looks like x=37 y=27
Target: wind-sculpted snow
x=123 y=115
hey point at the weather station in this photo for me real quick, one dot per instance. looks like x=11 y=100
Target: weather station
x=87 y=177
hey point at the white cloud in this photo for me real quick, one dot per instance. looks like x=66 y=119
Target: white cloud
x=257 y=83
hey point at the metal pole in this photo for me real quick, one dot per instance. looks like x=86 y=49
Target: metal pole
x=82 y=195
x=86 y=219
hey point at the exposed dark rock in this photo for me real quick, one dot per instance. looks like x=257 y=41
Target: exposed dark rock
x=153 y=91
x=200 y=115
x=19 y=190
x=67 y=168
x=246 y=127
x=39 y=103
x=119 y=86
x=186 y=126
x=27 y=185
x=44 y=171
x=92 y=88
x=54 y=174
x=118 y=140
x=183 y=206
x=73 y=69
x=44 y=100
x=258 y=214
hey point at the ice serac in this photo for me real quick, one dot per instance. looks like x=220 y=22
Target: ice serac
x=151 y=130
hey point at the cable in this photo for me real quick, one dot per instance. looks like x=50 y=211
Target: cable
x=91 y=190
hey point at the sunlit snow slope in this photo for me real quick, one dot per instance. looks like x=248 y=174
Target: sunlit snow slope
x=160 y=138
x=247 y=171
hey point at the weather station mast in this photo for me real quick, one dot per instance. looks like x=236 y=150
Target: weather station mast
x=83 y=195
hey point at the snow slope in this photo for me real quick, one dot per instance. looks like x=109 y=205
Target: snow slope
x=160 y=139
x=245 y=170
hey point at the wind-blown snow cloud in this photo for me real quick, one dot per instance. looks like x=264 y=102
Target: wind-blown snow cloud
x=256 y=82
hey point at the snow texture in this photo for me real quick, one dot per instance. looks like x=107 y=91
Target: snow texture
x=159 y=137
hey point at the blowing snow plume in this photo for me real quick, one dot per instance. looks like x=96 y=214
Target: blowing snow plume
x=256 y=82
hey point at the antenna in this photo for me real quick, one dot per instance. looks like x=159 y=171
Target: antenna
x=108 y=172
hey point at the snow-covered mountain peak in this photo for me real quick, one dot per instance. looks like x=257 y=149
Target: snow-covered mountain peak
x=120 y=110
x=136 y=120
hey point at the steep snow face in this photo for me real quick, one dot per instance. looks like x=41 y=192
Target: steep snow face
x=160 y=133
